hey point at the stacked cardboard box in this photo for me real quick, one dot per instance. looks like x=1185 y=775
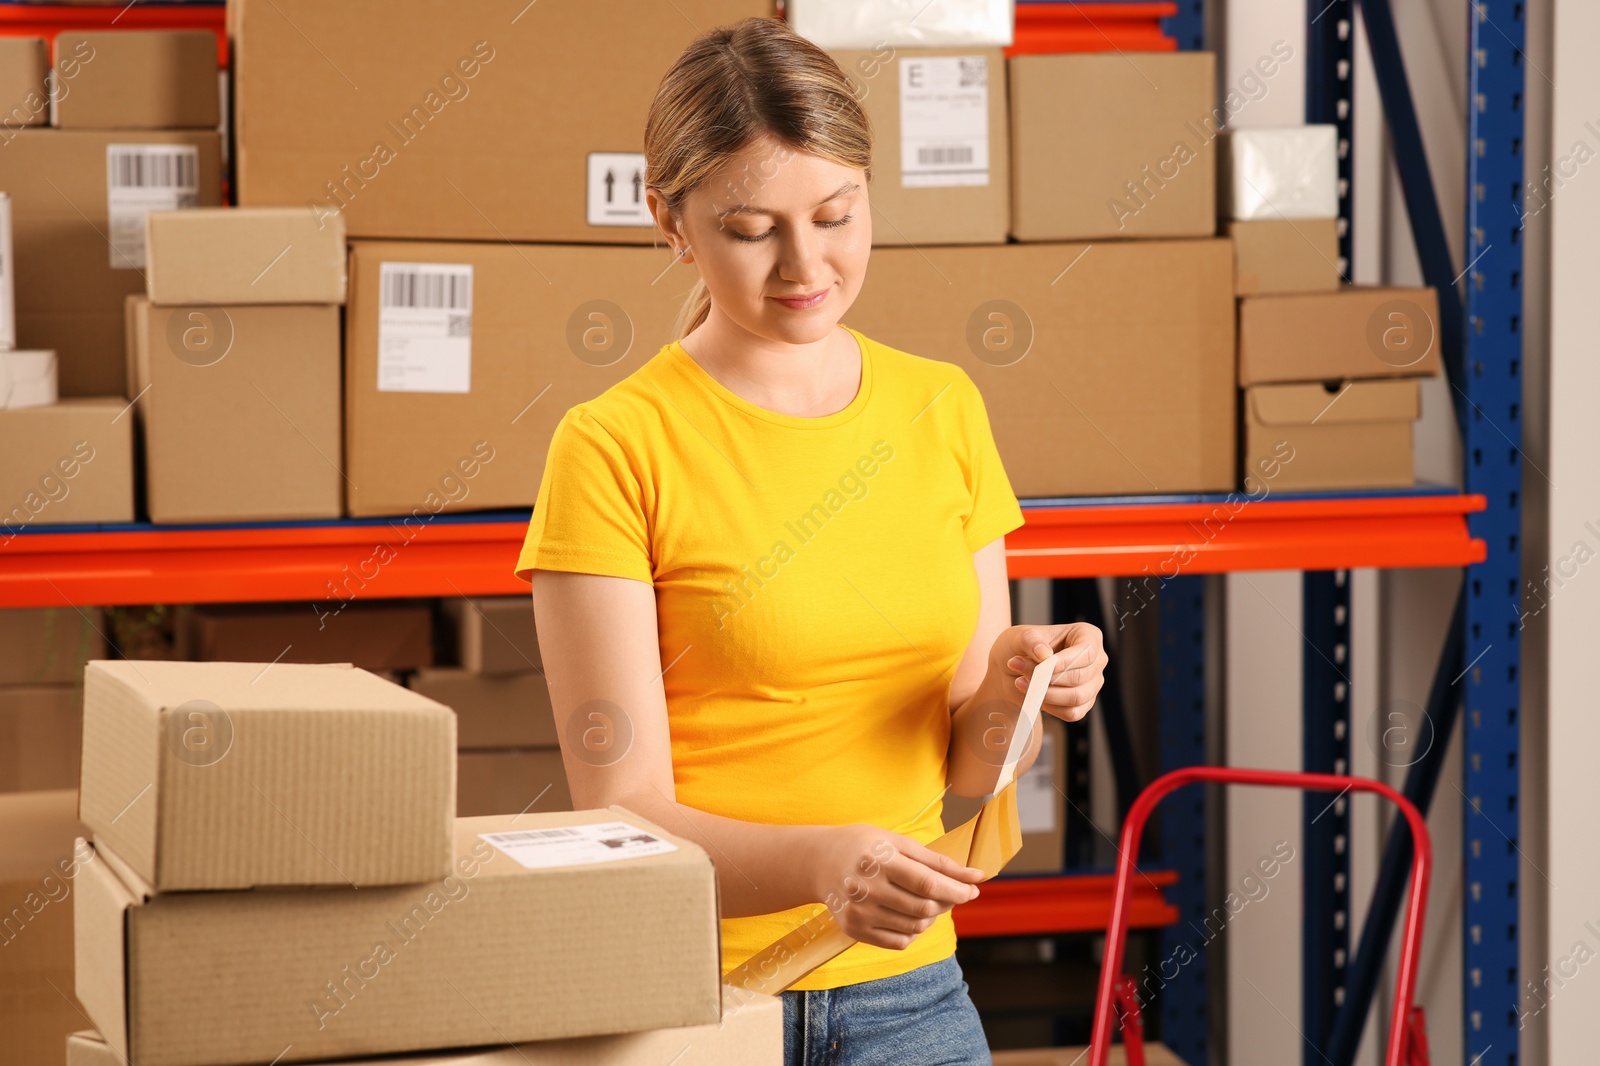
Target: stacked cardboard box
x=377 y=634
x=42 y=654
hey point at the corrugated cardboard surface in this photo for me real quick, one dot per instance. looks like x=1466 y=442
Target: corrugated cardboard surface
x=40 y=736
x=422 y=453
x=43 y=645
x=509 y=954
x=511 y=782
x=228 y=775
x=508 y=711
x=24 y=62
x=460 y=116
x=376 y=635
x=1043 y=851
x=244 y=255
x=1360 y=331
x=1357 y=434
x=1112 y=145
x=141 y=80
x=492 y=634
x=1116 y=393
x=37 y=876
x=69 y=298
x=253 y=434
x=69 y=462
x=1285 y=256
x=960 y=214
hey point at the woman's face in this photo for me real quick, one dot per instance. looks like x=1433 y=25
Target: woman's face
x=772 y=226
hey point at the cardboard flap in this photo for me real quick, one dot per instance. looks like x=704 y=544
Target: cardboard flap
x=1354 y=401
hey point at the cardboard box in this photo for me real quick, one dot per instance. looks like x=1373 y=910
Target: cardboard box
x=511 y=782
x=80 y=248
x=376 y=635
x=8 y=279
x=41 y=733
x=241 y=420
x=1357 y=332
x=436 y=143
x=491 y=634
x=1279 y=172
x=38 y=868
x=1041 y=809
x=49 y=645
x=27 y=379
x=940 y=158
x=868 y=23
x=1075 y=359
x=1113 y=144
x=546 y=327
x=508 y=711
x=229 y=775
x=140 y=80
x=68 y=463
x=244 y=255
x=1154 y=1055
x=1351 y=434
x=496 y=952
x=24 y=83
x=1279 y=256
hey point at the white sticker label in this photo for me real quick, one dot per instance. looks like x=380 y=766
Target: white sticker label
x=1036 y=791
x=944 y=121
x=141 y=178
x=578 y=845
x=616 y=190
x=425 y=327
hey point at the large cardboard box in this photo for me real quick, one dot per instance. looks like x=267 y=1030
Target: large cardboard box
x=1092 y=387
x=376 y=635
x=1350 y=434
x=229 y=775
x=1041 y=808
x=140 y=80
x=80 y=241
x=49 y=645
x=38 y=868
x=506 y=711
x=458 y=368
x=1276 y=256
x=1113 y=144
x=439 y=141
x=68 y=463
x=24 y=93
x=511 y=782
x=1360 y=331
x=491 y=634
x=239 y=411
x=941 y=167
x=40 y=736
x=244 y=255
x=530 y=936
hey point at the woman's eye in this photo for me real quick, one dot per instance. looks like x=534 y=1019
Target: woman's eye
x=746 y=237
x=831 y=223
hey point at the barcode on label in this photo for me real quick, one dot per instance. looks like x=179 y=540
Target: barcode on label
x=941 y=154
x=974 y=72
x=532 y=835
x=416 y=286
x=149 y=166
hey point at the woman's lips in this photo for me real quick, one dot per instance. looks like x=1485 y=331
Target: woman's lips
x=801 y=303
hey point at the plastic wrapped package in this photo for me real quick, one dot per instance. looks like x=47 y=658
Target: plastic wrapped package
x=902 y=23
x=1279 y=172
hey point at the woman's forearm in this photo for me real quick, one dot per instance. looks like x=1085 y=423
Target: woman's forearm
x=980 y=734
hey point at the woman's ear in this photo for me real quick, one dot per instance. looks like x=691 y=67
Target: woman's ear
x=669 y=226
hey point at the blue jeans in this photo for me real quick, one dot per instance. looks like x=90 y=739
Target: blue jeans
x=919 y=1018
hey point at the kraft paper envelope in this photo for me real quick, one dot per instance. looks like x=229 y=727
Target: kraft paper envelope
x=987 y=841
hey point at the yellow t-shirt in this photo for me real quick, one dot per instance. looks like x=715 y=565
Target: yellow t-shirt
x=815 y=591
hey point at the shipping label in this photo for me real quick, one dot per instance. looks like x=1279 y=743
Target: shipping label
x=944 y=121
x=425 y=327
x=141 y=178
x=578 y=845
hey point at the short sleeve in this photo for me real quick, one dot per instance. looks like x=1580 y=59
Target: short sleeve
x=589 y=516
x=995 y=510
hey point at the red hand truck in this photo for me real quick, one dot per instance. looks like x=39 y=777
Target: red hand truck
x=1117 y=1003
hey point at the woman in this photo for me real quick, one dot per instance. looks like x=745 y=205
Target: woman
x=768 y=573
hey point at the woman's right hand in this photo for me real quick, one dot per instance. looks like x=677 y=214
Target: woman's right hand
x=885 y=888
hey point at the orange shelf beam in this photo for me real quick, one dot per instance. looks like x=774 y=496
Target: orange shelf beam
x=1040 y=906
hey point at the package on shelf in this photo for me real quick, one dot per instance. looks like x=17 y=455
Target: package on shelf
x=1358 y=331
x=1281 y=255
x=491 y=634
x=455 y=379
x=232 y=775
x=1279 y=172
x=1040 y=811
x=1113 y=145
x=136 y=80
x=239 y=410
x=342 y=628
x=41 y=731
x=511 y=781
x=1344 y=434
x=500 y=711
x=79 y=238
x=1119 y=354
x=546 y=926
x=439 y=142
x=940 y=154
x=244 y=255
x=902 y=23
x=27 y=379
x=38 y=871
x=49 y=645
x=24 y=83
x=67 y=463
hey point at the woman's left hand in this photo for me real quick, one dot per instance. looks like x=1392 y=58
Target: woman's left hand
x=1079 y=671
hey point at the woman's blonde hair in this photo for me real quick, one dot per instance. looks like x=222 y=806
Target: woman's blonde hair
x=732 y=85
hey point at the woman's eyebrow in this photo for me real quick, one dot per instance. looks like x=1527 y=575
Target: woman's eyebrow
x=752 y=209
